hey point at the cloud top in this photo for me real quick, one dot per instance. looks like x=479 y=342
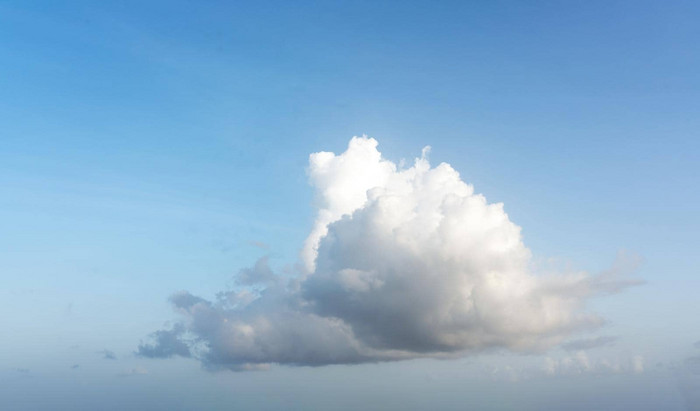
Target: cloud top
x=400 y=263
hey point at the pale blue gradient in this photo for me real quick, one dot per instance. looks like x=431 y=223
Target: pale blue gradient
x=145 y=148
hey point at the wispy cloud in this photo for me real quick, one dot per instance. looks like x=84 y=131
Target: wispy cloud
x=260 y=245
x=133 y=372
x=581 y=363
x=108 y=355
x=589 y=343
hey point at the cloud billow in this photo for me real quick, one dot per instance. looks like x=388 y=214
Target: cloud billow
x=401 y=263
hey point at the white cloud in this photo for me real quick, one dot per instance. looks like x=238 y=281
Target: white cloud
x=400 y=263
x=341 y=184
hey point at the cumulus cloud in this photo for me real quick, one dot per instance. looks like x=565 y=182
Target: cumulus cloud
x=400 y=263
x=108 y=355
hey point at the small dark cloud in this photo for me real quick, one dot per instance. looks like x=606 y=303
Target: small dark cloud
x=168 y=343
x=184 y=300
x=108 y=355
x=260 y=273
x=588 y=343
x=75 y=366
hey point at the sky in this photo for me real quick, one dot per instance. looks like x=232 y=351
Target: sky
x=349 y=205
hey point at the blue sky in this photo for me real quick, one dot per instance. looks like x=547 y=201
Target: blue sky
x=146 y=149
